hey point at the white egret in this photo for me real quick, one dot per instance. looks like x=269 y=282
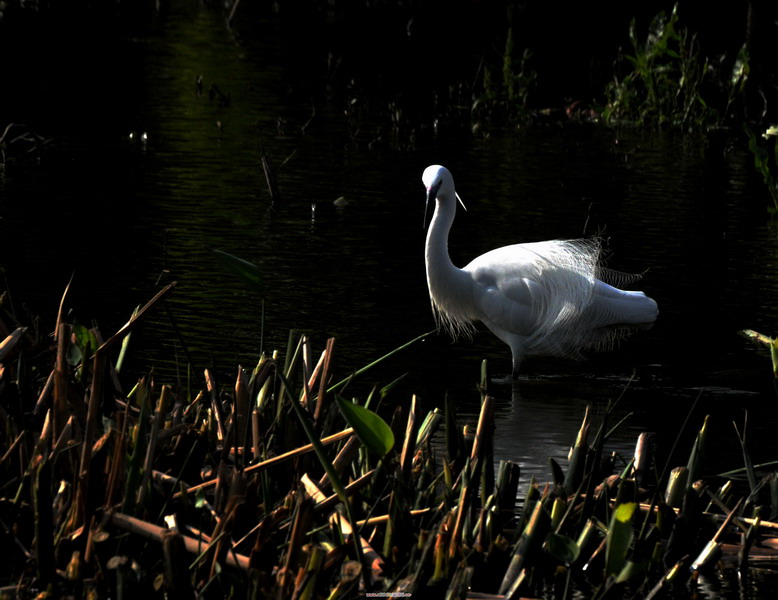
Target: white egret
x=540 y=298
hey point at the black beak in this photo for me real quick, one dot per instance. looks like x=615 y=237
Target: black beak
x=432 y=194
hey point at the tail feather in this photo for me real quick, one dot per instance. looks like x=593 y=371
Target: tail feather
x=613 y=306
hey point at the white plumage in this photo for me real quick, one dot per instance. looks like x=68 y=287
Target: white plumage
x=541 y=298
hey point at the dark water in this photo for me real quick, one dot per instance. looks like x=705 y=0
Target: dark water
x=125 y=215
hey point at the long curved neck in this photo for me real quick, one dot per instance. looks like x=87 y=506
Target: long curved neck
x=450 y=288
x=436 y=251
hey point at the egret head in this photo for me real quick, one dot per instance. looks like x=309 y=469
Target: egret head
x=440 y=184
x=438 y=181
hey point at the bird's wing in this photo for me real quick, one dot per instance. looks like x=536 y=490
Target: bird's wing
x=533 y=289
x=514 y=308
x=508 y=291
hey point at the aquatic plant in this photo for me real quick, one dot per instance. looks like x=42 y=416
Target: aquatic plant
x=504 y=94
x=275 y=484
x=669 y=82
x=18 y=141
x=766 y=340
x=766 y=158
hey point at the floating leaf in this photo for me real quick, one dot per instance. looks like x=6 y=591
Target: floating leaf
x=371 y=429
x=244 y=270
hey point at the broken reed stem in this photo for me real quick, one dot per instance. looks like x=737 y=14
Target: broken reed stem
x=301 y=521
x=84 y=513
x=273 y=461
x=64 y=438
x=307 y=371
x=13 y=447
x=256 y=434
x=137 y=317
x=305 y=402
x=727 y=521
x=157 y=533
x=210 y=384
x=482 y=442
x=316 y=371
x=481 y=445
x=59 y=408
x=10 y=342
x=242 y=408
x=61 y=308
x=159 y=417
x=370 y=555
x=325 y=502
x=323 y=377
x=381 y=519
x=45 y=394
x=117 y=460
x=409 y=443
x=343 y=458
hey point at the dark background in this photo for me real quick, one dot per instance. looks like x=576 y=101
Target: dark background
x=424 y=54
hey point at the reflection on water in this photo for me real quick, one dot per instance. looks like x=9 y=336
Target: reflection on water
x=523 y=436
x=538 y=418
x=127 y=215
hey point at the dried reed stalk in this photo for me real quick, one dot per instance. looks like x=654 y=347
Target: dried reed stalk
x=157 y=533
x=274 y=461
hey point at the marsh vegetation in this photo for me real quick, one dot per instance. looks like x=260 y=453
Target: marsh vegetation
x=166 y=468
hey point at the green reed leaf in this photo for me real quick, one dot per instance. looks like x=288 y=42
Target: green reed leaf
x=244 y=270
x=371 y=429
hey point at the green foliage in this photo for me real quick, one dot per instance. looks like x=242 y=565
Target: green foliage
x=768 y=341
x=506 y=94
x=84 y=345
x=244 y=270
x=766 y=158
x=738 y=78
x=670 y=81
x=371 y=429
x=517 y=79
x=444 y=526
x=562 y=548
x=619 y=538
x=138 y=452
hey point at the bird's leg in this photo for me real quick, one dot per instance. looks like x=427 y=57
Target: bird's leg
x=516 y=367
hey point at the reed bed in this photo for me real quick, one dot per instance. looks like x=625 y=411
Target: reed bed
x=275 y=485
